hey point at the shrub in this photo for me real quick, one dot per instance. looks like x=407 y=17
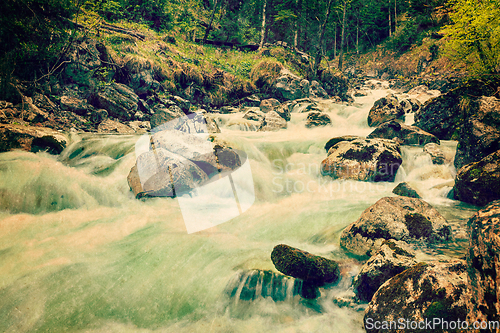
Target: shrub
x=265 y=73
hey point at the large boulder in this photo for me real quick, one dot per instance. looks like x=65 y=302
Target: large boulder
x=422 y=297
x=390 y=260
x=74 y=104
x=400 y=218
x=408 y=135
x=445 y=115
x=478 y=183
x=480 y=134
x=254 y=114
x=119 y=100
x=272 y=122
x=289 y=86
x=304 y=265
x=363 y=159
x=31 y=138
x=315 y=119
x=482 y=264
x=405 y=190
x=385 y=109
x=335 y=84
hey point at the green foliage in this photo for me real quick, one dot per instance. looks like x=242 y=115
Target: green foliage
x=405 y=36
x=474 y=35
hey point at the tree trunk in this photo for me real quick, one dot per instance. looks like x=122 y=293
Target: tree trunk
x=357 y=36
x=395 y=14
x=335 y=43
x=209 y=27
x=341 y=55
x=390 y=23
x=263 y=29
x=317 y=60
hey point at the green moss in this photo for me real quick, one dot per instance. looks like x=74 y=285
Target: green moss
x=418 y=225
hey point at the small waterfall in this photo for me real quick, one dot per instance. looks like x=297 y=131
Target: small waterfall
x=253 y=284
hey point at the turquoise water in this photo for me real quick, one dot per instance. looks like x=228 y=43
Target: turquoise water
x=78 y=253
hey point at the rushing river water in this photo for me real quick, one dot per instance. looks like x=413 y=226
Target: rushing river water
x=79 y=253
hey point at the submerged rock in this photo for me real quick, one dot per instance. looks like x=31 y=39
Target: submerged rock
x=408 y=135
x=385 y=109
x=478 y=183
x=404 y=189
x=30 y=138
x=433 y=292
x=399 y=218
x=435 y=152
x=253 y=284
x=303 y=265
x=390 y=260
x=363 y=159
x=482 y=264
x=315 y=119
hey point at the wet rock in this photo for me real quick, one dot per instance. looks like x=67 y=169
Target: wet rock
x=119 y=100
x=165 y=174
x=385 y=109
x=316 y=90
x=140 y=127
x=363 y=159
x=303 y=265
x=113 y=126
x=272 y=122
x=228 y=110
x=284 y=110
x=162 y=116
x=445 y=115
x=270 y=104
x=30 y=138
x=482 y=264
x=423 y=292
x=390 y=260
x=315 y=119
x=333 y=141
x=435 y=152
x=409 y=135
x=254 y=114
x=410 y=105
x=251 y=101
x=289 y=87
x=478 y=183
x=30 y=112
x=399 y=218
x=253 y=284
x=184 y=104
x=480 y=134
x=405 y=190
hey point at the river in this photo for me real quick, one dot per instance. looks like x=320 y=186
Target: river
x=78 y=253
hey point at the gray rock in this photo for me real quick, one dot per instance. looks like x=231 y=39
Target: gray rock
x=162 y=116
x=478 y=183
x=391 y=259
x=30 y=138
x=405 y=190
x=119 y=100
x=316 y=90
x=315 y=119
x=409 y=135
x=363 y=159
x=399 y=218
x=482 y=264
x=272 y=122
x=435 y=152
x=270 y=104
x=480 y=134
x=75 y=105
x=254 y=114
x=385 y=109
x=433 y=291
x=113 y=126
x=289 y=87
